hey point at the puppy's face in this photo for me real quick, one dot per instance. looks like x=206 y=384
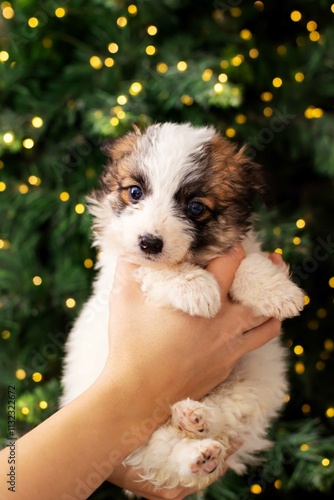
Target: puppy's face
x=174 y=193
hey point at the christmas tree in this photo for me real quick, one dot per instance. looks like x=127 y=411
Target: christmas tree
x=73 y=73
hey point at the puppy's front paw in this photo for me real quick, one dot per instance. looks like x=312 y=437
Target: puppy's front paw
x=188 y=288
x=266 y=289
x=192 y=417
x=206 y=457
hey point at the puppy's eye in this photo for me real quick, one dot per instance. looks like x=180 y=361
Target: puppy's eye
x=135 y=193
x=195 y=208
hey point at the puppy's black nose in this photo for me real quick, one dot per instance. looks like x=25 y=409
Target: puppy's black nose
x=150 y=244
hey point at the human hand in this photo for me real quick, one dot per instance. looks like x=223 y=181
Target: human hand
x=149 y=345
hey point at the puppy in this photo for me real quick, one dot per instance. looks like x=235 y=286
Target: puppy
x=173 y=198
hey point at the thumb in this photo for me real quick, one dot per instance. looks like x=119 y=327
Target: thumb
x=224 y=268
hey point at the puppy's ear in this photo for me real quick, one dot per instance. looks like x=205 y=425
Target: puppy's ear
x=116 y=149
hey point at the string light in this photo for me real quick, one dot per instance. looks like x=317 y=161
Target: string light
x=4 y=244
x=95 y=62
x=207 y=75
x=2 y=186
x=122 y=99
x=298 y=350
x=25 y=410
x=37 y=377
x=304 y=447
x=37 y=122
x=325 y=462
x=150 y=50
x=135 y=88
x=329 y=345
x=152 y=30
x=218 y=88
x=299 y=368
x=278 y=484
x=8 y=12
x=253 y=53
x=300 y=223
x=299 y=77
x=43 y=405
x=60 y=12
x=277 y=230
x=23 y=188
x=235 y=12
x=268 y=111
x=20 y=374
x=266 y=96
x=277 y=82
x=114 y=121
x=70 y=303
x=88 y=263
x=256 y=489
x=34 y=181
x=8 y=137
x=329 y=412
x=5 y=334
x=182 y=66
x=281 y=50
x=28 y=143
x=245 y=34
x=187 y=100
x=279 y=251
x=237 y=60
x=306 y=408
x=33 y=22
x=37 y=280
x=47 y=42
x=79 y=208
x=109 y=62
x=64 y=196
x=314 y=36
x=162 y=67
x=113 y=48
x=4 y=56
x=222 y=78
x=311 y=26
x=241 y=119
x=259 y=6
x=230 y=132
x=320 y=365
x=296 y=240
x=296 y=16
x=132 y=10
x=122 y=22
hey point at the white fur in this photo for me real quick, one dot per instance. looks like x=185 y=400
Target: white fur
x=243 y=406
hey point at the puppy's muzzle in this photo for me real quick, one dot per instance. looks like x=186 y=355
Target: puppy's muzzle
x=150 y=244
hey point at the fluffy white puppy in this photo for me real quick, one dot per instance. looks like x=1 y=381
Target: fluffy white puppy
x=172 y=198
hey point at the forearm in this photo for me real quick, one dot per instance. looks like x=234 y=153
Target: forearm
x=77 y=448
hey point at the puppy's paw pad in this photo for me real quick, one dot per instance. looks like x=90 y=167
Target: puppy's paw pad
x=191 y=416
x=207 y=459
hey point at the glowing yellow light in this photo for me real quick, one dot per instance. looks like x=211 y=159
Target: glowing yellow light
x=277 y=82
x=314 y=36
x=218 y=88
x=182 y=65
x=25 y=410
x=64 y=196
x=113 y=48
x=23 y=188
x=187 y=100
x=278 y=484
x=150 y=50
x=162 y=67
x=152 y=30
x=296 y=240
x=256 y=489
x=34 y=181
x=332 y=7
x=47 y=42
x=331 y=282
x=230 y=132
x=37 y=377
x=296 y=16
x=122 y=99
x=299 y=77
x=5 y=334
x=121 y=114
x=33 y=22
x=224 y=64
x=60 y=12
x=325 y=462
x=304 y=447
x=222 y=78
x=313 y=325
x=132 y=9
x=70 y=303
x=330 y=412
x=37 y=280
x=135 y=88
x=237 y=60
x=1 y=164
x=4 y=244
x=28 y=143
x=259 y=5
x=2 y=186
x=306 y=407
x=281 y=50
x=207 y=75
x=95 y=62
x=299 y=368
x=241 y=119
x=320 y=365
x=300 y=223
x=109 y=62
x=311 y=26
x=317 y=113
x=20 y=374
x=278 y=250
x=88 y=263
x=236 y=12
x=268 y=111
x=329 y=345
x=245 y=34
x=8 y=13
x=43 y=405
x=5 y=4
x=298 y=350
x=266 y=96
x=114 y=121
x=37 y=122
x=8 y=137
x=122 y=21
x=253 y=53
x=4 y=56
x=79 y=208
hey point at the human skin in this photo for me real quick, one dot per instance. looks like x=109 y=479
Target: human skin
x=71 y=453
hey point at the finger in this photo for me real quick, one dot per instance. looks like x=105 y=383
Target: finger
x=224 y=268
x=124 y=281
x=258 y=336
x=277 y=259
